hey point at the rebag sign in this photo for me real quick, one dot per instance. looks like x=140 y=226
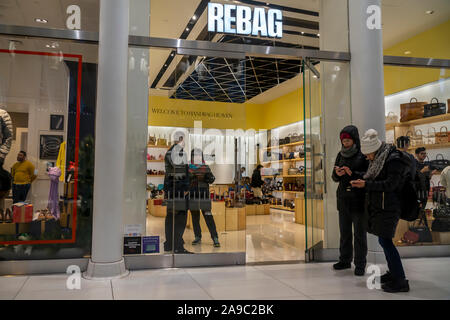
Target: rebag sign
x=223 y=18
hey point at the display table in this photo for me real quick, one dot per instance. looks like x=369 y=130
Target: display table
x=235 y=219
x=218 y=211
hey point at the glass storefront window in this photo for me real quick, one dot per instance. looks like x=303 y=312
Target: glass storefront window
x=47 y=99
x=417 y=108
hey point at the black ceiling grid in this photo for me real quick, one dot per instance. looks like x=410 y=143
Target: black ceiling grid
x=213 y=81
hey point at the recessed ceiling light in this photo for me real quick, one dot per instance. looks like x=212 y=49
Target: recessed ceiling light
x=187 y=29
x=39 y=20
x=429 y=12
x=318 y=34
x=303 y=32
x=194 y=17
x=48 y=46
x=407 y=52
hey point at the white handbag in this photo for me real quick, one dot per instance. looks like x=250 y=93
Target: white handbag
x=431 y=136
x=391 y=118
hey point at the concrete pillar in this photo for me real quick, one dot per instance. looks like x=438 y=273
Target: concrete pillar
x=110 y=144
x=367 y=83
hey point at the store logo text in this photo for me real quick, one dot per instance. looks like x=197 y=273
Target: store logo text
x=241 y=20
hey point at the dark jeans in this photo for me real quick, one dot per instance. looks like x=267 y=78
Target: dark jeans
x=393 y=258
x=177 y=227
x=209 y=219
x=347 y=219
x=20 y=192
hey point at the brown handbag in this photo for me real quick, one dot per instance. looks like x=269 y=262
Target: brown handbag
x=412 y=110
x=442 y=136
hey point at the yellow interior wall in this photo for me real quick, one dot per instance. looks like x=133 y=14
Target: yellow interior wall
x=432 y=43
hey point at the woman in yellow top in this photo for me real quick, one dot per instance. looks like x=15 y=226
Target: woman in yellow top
x=23 y=175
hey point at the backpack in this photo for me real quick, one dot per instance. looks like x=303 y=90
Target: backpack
x=413 y=193
x=5 y=180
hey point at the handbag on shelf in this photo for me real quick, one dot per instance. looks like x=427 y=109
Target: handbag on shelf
x=440 y=163
x=418 y=233
x=412 y=110
x=162 y=142
x=416 y=139
x=293 y=171
x=441 y=225
x=431 y=136
x=438 y=193
x=295 y=138
x=434 y=109
x=284 y=141
x=152 y=140
x=442 y=136
x=391 y=118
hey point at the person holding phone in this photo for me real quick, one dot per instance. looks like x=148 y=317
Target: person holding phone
x=351 y=165
x=383 y=182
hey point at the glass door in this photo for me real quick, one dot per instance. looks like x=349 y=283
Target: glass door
x=197 y=114
x=314 y=160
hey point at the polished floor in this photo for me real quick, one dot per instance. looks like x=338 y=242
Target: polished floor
x=429 y=279
x=267 y=238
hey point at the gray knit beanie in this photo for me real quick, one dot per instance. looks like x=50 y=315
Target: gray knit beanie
x=370 y=142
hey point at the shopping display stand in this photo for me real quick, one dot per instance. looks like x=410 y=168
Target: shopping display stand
x=155 y=210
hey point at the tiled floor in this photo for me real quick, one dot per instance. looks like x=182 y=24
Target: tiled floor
x=274 y=237
x=429 y=279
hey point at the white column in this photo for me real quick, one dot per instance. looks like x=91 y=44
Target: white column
x=110 y=144
x=367 y=83
x=367 y=76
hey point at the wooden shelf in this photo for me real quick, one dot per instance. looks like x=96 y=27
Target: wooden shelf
x=285 y=145
x=433 y=146
x=439 y=118
x=282 y=208
x=156 y=175
x=157 y=147
x=286 y=176
x=291 y=192
x=155 y=160
x=285 y=160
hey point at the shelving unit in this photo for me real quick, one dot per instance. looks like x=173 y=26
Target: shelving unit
x=155 y=161
x=157 y=147
x=285 y=160
x=282 y=208
x=432 y=146
x=286 y=176
x=285 y=145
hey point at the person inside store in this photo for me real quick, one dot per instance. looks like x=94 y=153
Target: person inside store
x=425 y=168
x=200 y=177
x=23 y=174
x=350 y=165
x=176 y=190
x=257 y=182
x=383 y=182
x=403 y=144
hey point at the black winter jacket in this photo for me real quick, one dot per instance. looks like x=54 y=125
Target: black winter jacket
x=383 y=195
x=257 y=181
x=349 y=198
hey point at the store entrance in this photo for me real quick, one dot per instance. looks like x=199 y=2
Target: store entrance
x=243 y=122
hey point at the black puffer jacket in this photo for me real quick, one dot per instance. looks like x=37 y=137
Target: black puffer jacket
x=349 y=198
x=383 y=195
